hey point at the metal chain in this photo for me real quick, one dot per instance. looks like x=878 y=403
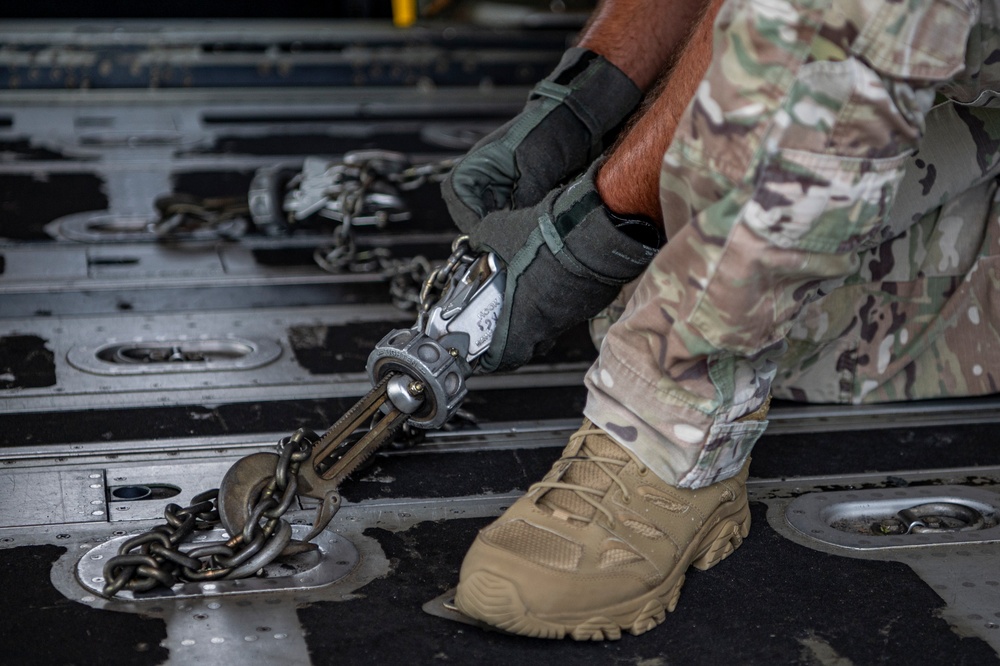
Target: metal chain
x=433 y=286
x=369 y=168
x=358 y=191
x=156 y=558
x=351 y=187
x=185 y=215
x=342 y=256
x=351 y=184
x=413 y=177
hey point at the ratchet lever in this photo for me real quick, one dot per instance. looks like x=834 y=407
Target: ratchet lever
x=324 y=461
x=341 y=450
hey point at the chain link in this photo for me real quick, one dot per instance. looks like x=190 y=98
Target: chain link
x=181 y=215
x=366 y=170
x=360 y=190
x=414 y=176
x=434 y=284
x=157 y=557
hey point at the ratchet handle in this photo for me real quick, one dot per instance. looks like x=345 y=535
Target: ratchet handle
x=441 y=353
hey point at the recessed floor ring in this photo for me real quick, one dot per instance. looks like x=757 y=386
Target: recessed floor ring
x=863 y=519
x=960 y=564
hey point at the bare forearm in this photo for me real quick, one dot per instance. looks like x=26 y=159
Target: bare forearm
x=641 y=37
x=629 y=181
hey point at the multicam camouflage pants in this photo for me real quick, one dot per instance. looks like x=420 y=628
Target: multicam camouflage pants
x=833 y=225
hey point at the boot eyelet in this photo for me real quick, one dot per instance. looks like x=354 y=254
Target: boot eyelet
x=643 y=470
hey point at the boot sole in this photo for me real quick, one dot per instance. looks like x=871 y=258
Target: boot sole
x=495 y=600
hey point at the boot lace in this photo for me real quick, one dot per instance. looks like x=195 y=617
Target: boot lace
x=609 y=466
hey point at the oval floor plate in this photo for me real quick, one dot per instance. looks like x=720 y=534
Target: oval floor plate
x=822 y=516
x=335 y=559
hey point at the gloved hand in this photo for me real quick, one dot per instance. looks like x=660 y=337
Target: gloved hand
x=567 y=258
x=559 y=132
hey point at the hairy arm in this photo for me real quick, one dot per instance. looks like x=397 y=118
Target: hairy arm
x=641 y=37
x=629 y=181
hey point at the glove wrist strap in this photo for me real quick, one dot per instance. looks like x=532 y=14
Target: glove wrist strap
x=597 y=92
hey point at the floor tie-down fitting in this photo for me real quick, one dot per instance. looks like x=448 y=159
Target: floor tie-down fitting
x=948 y=535
x=333 y=560
x=898 y=517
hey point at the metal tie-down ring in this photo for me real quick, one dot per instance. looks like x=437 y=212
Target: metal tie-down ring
x=938 y=517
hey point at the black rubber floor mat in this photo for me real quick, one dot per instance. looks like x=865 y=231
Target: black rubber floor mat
x=772 y=602
x=41 y=626
x=890 y=449
x=25 y=362
x=439 y=475
x=28 y=203
x=22 y=149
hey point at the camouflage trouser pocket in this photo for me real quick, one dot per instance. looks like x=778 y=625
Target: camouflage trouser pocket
x=916 y=40
x=801 y=231
x=837 y=152
x=935 y=337
x=727 y=448
x=823 y=203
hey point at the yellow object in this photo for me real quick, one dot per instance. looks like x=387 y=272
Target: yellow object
x=404 y=13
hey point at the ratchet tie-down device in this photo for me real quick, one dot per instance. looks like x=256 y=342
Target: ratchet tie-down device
x=419 y=378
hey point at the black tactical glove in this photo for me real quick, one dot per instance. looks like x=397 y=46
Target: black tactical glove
x=559 y=132
x=567 y=258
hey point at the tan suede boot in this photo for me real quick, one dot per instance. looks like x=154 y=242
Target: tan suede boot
x=599 y=545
